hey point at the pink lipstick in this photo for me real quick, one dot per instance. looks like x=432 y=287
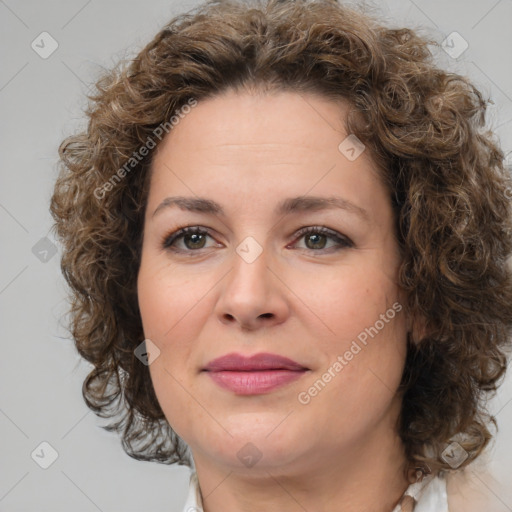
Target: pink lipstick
x=260 y=373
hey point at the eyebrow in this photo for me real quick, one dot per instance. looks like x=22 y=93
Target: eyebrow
x=287 y=206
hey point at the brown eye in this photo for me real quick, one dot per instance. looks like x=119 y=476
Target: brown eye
x=318 y=241
x=193 y=239
x=196 y=240
x=317 y=238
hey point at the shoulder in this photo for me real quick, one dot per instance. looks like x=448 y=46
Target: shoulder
x=476 y=488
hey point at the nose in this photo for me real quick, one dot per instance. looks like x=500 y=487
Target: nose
x=252 y=295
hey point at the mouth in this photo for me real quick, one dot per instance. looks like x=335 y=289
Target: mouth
x=258 y=374
x=259 y=362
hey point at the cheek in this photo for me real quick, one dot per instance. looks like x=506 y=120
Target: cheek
x=172 y=314
x=168 y=300
x=366 y=321
x=354 y=299
x=161 y=309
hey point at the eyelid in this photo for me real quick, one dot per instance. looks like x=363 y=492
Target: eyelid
x=175 y=234
x=342 y=241
x=330 y=233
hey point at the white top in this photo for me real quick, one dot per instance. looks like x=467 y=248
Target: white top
x=430 y=495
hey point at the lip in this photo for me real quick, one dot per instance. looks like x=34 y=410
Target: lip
x=261 y=361
x=260 y=373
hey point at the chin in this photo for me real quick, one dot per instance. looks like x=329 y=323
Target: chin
x=258 y=442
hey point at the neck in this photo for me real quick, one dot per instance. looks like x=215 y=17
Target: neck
x=368 y=475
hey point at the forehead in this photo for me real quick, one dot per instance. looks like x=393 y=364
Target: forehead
x=255 y=119
x=260 y=146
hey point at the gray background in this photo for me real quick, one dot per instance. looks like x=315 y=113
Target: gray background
x=41 y=101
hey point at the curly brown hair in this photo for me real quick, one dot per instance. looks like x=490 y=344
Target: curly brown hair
x=425 y=128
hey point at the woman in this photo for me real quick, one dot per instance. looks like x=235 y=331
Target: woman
x=286 y=235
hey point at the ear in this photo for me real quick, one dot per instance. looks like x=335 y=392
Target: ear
x=417 y=327
x=416 y=324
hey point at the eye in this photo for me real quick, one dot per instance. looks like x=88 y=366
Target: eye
x=194 y=238
x=318 y=235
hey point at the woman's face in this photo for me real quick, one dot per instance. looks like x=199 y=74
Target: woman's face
x=256 y=282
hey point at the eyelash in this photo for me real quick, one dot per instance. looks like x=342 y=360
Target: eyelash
x=169 y=239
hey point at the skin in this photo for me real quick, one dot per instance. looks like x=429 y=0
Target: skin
x=299 y=298
x=478 y=487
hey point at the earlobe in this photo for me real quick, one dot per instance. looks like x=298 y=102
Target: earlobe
x=415 y=323
x=417 y=328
